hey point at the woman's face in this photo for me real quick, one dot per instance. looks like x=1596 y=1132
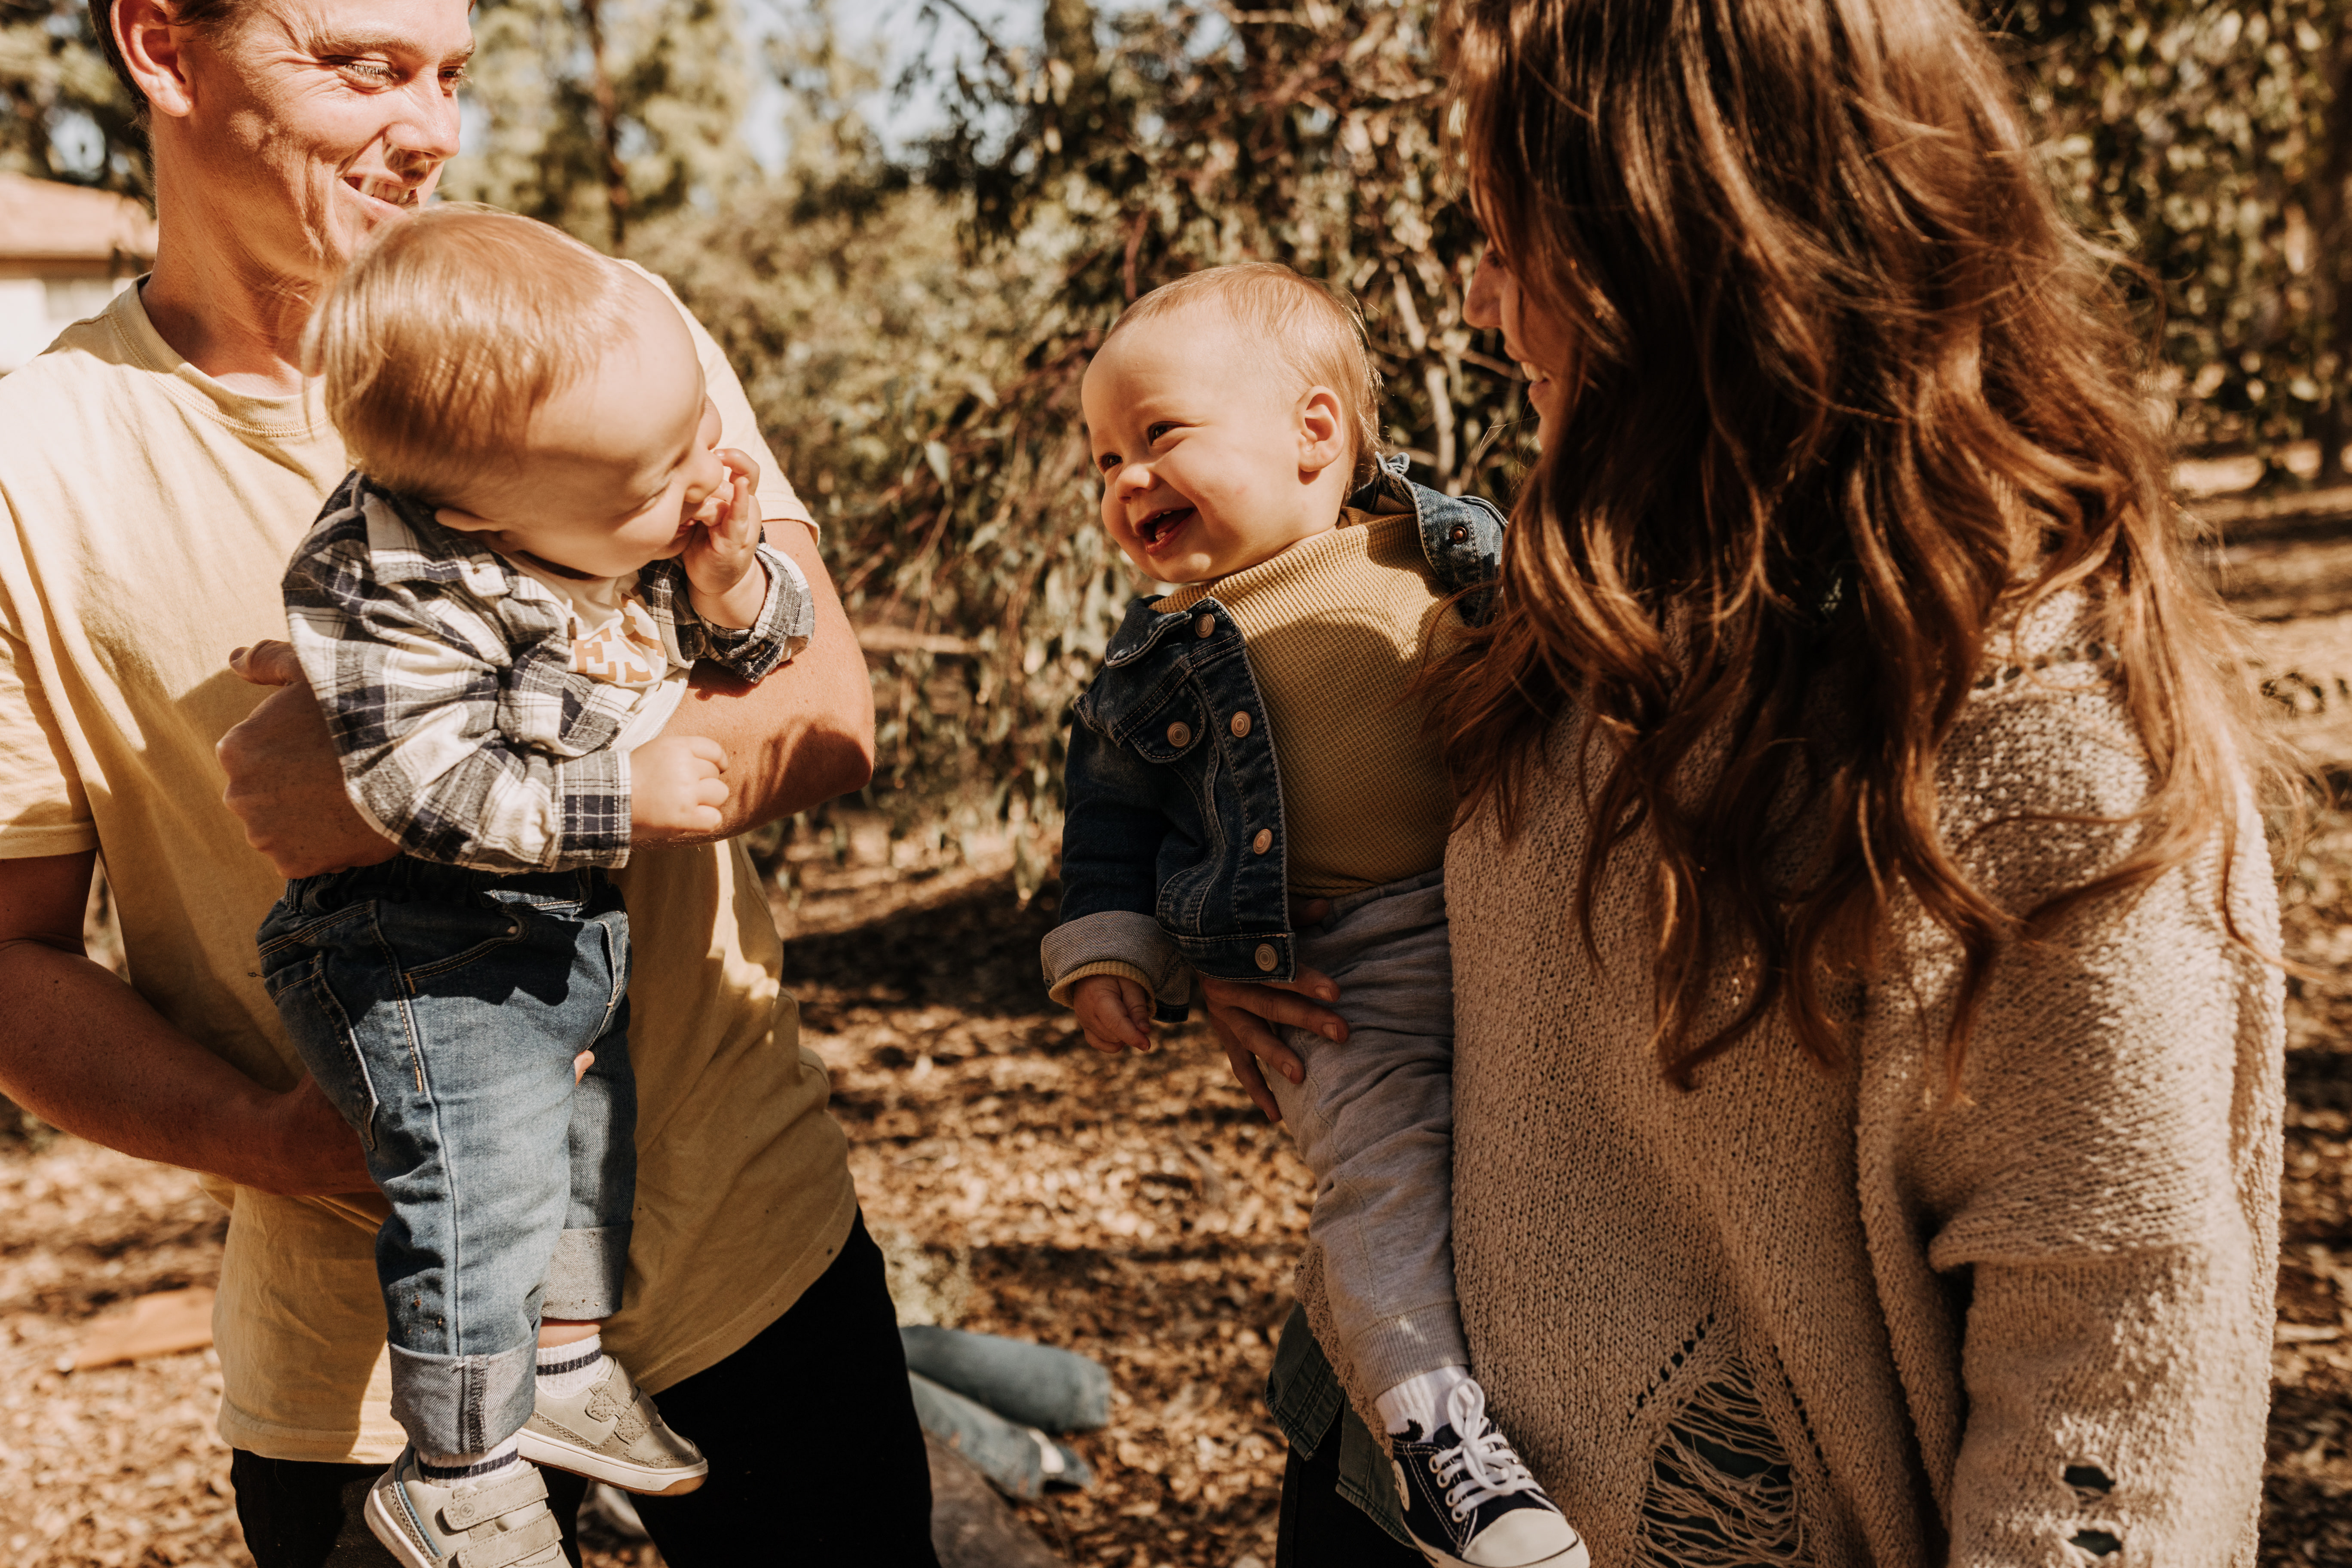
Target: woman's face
x=1543 y=344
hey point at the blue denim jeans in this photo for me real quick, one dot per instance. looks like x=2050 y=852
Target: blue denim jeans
x=440 y=1009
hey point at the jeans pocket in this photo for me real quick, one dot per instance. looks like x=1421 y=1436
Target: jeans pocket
x=323 y=1037
x=435 y=940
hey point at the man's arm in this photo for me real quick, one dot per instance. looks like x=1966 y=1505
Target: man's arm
x=802 y=736
x=84 y=1052
x=793 y=741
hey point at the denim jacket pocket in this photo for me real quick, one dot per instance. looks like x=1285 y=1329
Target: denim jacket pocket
x=1168 y=731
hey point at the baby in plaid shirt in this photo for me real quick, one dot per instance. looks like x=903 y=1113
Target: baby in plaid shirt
x=497 y=610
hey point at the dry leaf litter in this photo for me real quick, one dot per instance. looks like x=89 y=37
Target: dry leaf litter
x=1135 y=1209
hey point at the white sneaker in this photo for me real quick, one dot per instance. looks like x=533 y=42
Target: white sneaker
x=609 y=1431
x=500 y=1523
x=1470 y=1500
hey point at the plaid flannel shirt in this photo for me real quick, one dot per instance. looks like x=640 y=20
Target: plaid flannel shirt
x=445 y=676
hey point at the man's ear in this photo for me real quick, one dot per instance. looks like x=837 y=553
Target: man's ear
x=1322 y=430
x=154 y=53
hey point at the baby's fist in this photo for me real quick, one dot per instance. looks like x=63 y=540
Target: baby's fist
x=675 y=785
x=1114 y=1011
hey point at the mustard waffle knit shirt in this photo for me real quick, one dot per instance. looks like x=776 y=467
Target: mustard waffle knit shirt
x=1337 y=626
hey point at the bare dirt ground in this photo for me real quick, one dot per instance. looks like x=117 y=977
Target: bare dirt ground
x=1135 y=1209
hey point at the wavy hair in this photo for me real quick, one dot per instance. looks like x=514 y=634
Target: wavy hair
x=1849 y=394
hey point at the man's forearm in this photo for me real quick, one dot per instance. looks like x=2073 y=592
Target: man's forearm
x=85 y=1053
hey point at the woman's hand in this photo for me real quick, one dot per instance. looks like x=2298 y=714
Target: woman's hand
x=1244 y=1016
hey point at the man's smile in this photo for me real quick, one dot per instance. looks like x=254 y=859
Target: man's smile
x=388 y=191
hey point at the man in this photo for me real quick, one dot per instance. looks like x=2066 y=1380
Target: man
x=159 y=465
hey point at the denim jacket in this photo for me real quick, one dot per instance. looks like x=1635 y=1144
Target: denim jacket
x=1163 y=802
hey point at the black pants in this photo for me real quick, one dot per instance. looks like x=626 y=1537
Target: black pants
x=810 y=1429
x=1320 y=1529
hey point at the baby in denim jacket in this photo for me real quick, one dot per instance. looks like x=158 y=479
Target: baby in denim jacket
x=497 y=610
x=1251 y=741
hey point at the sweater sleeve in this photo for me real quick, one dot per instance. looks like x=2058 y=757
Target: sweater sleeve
x=2101 y=1194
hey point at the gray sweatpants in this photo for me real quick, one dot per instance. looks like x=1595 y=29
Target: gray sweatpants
x=1374 y=1121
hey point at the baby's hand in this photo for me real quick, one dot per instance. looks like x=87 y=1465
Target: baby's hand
x=721 y=555
x=1115 y=1012
x=675 y=784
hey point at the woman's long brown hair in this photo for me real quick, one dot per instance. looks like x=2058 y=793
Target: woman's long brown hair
x=1849 y=394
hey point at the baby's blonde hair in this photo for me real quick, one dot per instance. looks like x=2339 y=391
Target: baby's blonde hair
x=450 y=332
x=1316 y=331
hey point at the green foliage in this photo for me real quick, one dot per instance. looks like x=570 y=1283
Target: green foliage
x=602 y=114
x=2195 y=132
x=63 y=114
x=1131 y=149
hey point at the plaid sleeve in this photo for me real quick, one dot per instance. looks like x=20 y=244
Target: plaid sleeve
x=458 y=745
x=787 y=619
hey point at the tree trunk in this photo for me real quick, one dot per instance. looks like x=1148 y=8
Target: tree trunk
x=2331 y=252
x=1070 y=37
x=608 y=128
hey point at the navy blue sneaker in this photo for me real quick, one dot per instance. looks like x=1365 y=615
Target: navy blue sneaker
x=1471 y=1502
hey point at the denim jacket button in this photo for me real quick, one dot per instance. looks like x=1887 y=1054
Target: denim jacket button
x=1461 y=531
x=1241 y=725
x=1262 y=841
x=1180 y=735
x=1206 y=625
x=1266 y=957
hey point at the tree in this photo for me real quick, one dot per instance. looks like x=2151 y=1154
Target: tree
x=63 y=114
x=2194 y=132
x=1132 y=148
x=600 y=115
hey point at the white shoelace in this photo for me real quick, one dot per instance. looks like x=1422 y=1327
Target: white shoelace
x=1483 y=1466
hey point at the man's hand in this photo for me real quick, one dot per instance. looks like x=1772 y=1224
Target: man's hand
x=285 y=783
x=676 y=784
x=1245 y=1015
x=721 y=556
x=306 y=1147
x=1115 y=1012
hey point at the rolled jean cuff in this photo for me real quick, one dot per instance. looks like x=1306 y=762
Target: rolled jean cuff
x=463 y=1404
x=583 y=1279
x=1409 y=1344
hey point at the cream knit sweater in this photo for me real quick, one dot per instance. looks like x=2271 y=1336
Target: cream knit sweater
x=1828 y=1318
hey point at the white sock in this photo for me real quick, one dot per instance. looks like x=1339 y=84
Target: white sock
x=565 y=1370
x=469 y=1471
x=1420 y=1401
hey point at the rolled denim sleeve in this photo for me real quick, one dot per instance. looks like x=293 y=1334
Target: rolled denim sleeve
x=1112 y=828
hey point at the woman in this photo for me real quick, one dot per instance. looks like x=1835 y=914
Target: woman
x=1868 y=1071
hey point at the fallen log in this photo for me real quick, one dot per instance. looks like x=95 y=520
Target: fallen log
x=971 y=1527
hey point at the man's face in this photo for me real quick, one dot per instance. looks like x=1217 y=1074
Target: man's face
x=321 y=119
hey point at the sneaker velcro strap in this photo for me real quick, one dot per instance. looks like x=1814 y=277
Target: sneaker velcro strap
x=511 y=1546
x=470 y=1509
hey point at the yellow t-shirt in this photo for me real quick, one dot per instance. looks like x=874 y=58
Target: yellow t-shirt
x=149 y=513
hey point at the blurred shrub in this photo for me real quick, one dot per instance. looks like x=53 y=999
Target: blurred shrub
x=600 y=115
x=916 y=352
x=2197 y=133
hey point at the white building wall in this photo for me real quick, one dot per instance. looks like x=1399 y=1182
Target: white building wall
x=34 y=310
